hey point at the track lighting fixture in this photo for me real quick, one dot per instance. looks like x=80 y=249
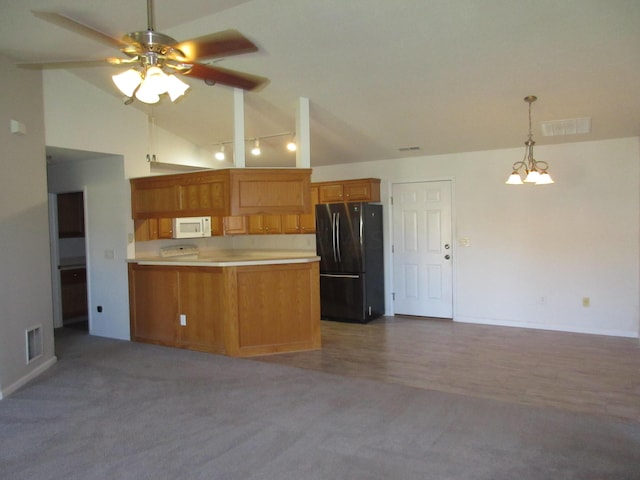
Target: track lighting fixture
x=220 y=154
x=256 y=148
x=291 y=144
x=535 y=171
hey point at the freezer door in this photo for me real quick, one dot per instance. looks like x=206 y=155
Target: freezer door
x=342 y=297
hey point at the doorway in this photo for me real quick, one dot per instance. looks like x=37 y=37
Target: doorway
x=69 y=260
x=422 y=249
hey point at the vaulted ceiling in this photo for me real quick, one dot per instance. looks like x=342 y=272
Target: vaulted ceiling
x=445 y=76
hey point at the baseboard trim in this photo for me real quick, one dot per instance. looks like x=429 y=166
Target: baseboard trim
x=5 y=392
x=555 y=328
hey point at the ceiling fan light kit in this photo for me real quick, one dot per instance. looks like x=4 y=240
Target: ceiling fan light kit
x=534 y=171
x=155 y=59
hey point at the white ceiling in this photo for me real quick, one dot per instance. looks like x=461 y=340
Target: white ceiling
x=448 y=76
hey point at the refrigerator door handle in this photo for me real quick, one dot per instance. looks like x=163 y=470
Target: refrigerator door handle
x=338 y=236
x=333 y=236
x=336 y=275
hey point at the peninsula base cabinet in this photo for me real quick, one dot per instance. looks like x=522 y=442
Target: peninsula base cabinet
x=239 y=311
x=177 y=306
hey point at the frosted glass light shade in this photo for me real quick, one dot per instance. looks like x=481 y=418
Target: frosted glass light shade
x=127 y=81
x=544 y=179
x=514 y=179
x=175 y=87
x=146 y=93
x=156 y=80
x=532 y=176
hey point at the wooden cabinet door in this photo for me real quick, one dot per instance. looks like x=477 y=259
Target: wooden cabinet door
x=357 y=192
x=73 y=291
x=259 y=224
x=70 y=214
x=217 y=226
x=165 y=228
x=149 y=201
x=291 y=223
x=205 y=198
x=154 y=303
x=201 y=303
x=330 y=193
x=235 y=225
x=308 y=220
x=269 y=191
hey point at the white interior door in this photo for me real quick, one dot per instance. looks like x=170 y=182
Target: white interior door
x=422 y=249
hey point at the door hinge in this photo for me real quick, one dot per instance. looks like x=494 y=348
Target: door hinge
x=391 y=200
x=393 y=295
x=393 y=249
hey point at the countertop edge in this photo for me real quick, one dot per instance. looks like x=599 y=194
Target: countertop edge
x=222 y=263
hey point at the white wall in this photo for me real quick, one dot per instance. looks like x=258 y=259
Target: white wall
x=25 y=289
x=106 y=197
x=535 y=251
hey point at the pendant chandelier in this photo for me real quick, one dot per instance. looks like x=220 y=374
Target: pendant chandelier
x=534 y=171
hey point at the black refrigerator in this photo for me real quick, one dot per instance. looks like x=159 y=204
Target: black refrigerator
x=349 y=243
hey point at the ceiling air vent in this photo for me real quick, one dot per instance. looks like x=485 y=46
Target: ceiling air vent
x=409 y=149
x=570 y=126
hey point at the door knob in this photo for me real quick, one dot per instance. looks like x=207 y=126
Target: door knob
x=447 y=257
x=446 y=246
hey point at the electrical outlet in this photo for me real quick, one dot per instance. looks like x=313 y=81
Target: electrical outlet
x=586 y=302
x=183 y=320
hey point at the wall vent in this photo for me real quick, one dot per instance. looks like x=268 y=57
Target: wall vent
x=34 y=343
x=570 y=126
x=409 y=149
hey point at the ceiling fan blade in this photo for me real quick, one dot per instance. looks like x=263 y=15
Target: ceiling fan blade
x=117 y=62
x=231 y=78
x=77 y=27
x=220 y=44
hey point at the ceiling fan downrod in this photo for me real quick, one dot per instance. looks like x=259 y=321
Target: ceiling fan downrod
x=150 y=19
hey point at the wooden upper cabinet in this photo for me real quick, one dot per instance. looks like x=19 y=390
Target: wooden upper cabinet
x=180 y=195
x=70 y=214
x=259 y=224
x=270 y=191
x=360 y=190
x=226 y=192
x=331 y=193
x=207 y=197
x=235 y=225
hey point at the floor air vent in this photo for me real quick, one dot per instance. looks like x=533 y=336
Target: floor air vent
x=34 y=343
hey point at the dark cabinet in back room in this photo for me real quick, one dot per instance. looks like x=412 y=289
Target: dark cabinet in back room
x=70 y=214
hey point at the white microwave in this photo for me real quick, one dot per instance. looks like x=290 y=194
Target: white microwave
x=191 y=227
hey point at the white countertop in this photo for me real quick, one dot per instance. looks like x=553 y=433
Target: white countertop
x=230 y=258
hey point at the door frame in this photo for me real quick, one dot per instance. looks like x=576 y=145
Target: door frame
x=389 y=234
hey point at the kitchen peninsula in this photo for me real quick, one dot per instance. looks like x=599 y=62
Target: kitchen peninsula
x=237 y=303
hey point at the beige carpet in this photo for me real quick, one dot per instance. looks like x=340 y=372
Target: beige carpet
x=119 y=410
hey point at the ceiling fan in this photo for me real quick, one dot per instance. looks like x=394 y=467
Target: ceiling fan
x=155 y=58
